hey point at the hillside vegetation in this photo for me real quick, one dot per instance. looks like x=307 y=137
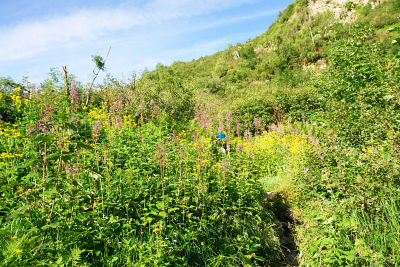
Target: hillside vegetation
x=137 y=173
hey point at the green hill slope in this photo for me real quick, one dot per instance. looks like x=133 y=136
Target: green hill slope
x=338 y=66
x=296 y=46
x=278 y=151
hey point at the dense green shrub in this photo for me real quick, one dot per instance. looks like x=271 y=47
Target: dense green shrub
x=138 y=177
x=359 y=86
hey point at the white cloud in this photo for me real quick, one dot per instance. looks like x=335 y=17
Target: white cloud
x=231 y=20
x=29 y=39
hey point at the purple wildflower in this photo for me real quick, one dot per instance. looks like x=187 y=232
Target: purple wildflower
x=247 y=135
x=281 y=130
x=296 y=131
x=229 y=117
x=96 y=131
x=118 y=121
x=224 y=165
x=74 y=95
x=221 y=127
x=273 y=127
x=239 y=148
x=238 y=129
x=205 y=122
x=256 y=122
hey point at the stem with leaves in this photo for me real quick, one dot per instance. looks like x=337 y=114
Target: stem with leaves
x=100 y=63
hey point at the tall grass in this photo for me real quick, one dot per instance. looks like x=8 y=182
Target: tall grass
x=98 y=186
x=379 y=233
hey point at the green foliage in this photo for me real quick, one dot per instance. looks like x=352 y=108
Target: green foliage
x=346 y=191
x=344 y=194
x=11 y=100
x=99 y=62
x=287 y=13
x=221 y=69
x=213 y=85
x=248 y=52
x=381 y=16
x=259 y=107
x=277 y=105
x=166 y=88
x=93 y=187
x=137 y=176
x=396 y=41
x=350 y=5
x=360 y=84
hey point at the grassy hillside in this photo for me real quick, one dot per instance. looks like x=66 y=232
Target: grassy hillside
x=274 y=64
x=140 y=174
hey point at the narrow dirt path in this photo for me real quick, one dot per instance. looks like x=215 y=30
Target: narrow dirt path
x=286 y=224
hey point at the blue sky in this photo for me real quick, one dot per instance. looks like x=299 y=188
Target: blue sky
x=38 y=35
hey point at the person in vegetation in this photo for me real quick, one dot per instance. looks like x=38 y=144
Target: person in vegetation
x=221 y=143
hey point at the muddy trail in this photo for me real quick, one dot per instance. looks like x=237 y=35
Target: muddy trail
x=286 y=226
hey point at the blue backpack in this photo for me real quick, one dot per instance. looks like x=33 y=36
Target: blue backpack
x=221 y=137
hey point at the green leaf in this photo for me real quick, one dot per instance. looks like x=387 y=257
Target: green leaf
x=80 y=145
x=53 y=225
x=64 y=157
x=45 y=139
x=70 y=126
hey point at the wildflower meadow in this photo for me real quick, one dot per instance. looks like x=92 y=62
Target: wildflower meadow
x=281 y=151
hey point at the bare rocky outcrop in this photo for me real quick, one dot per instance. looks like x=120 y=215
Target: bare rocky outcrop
x=337 y=6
